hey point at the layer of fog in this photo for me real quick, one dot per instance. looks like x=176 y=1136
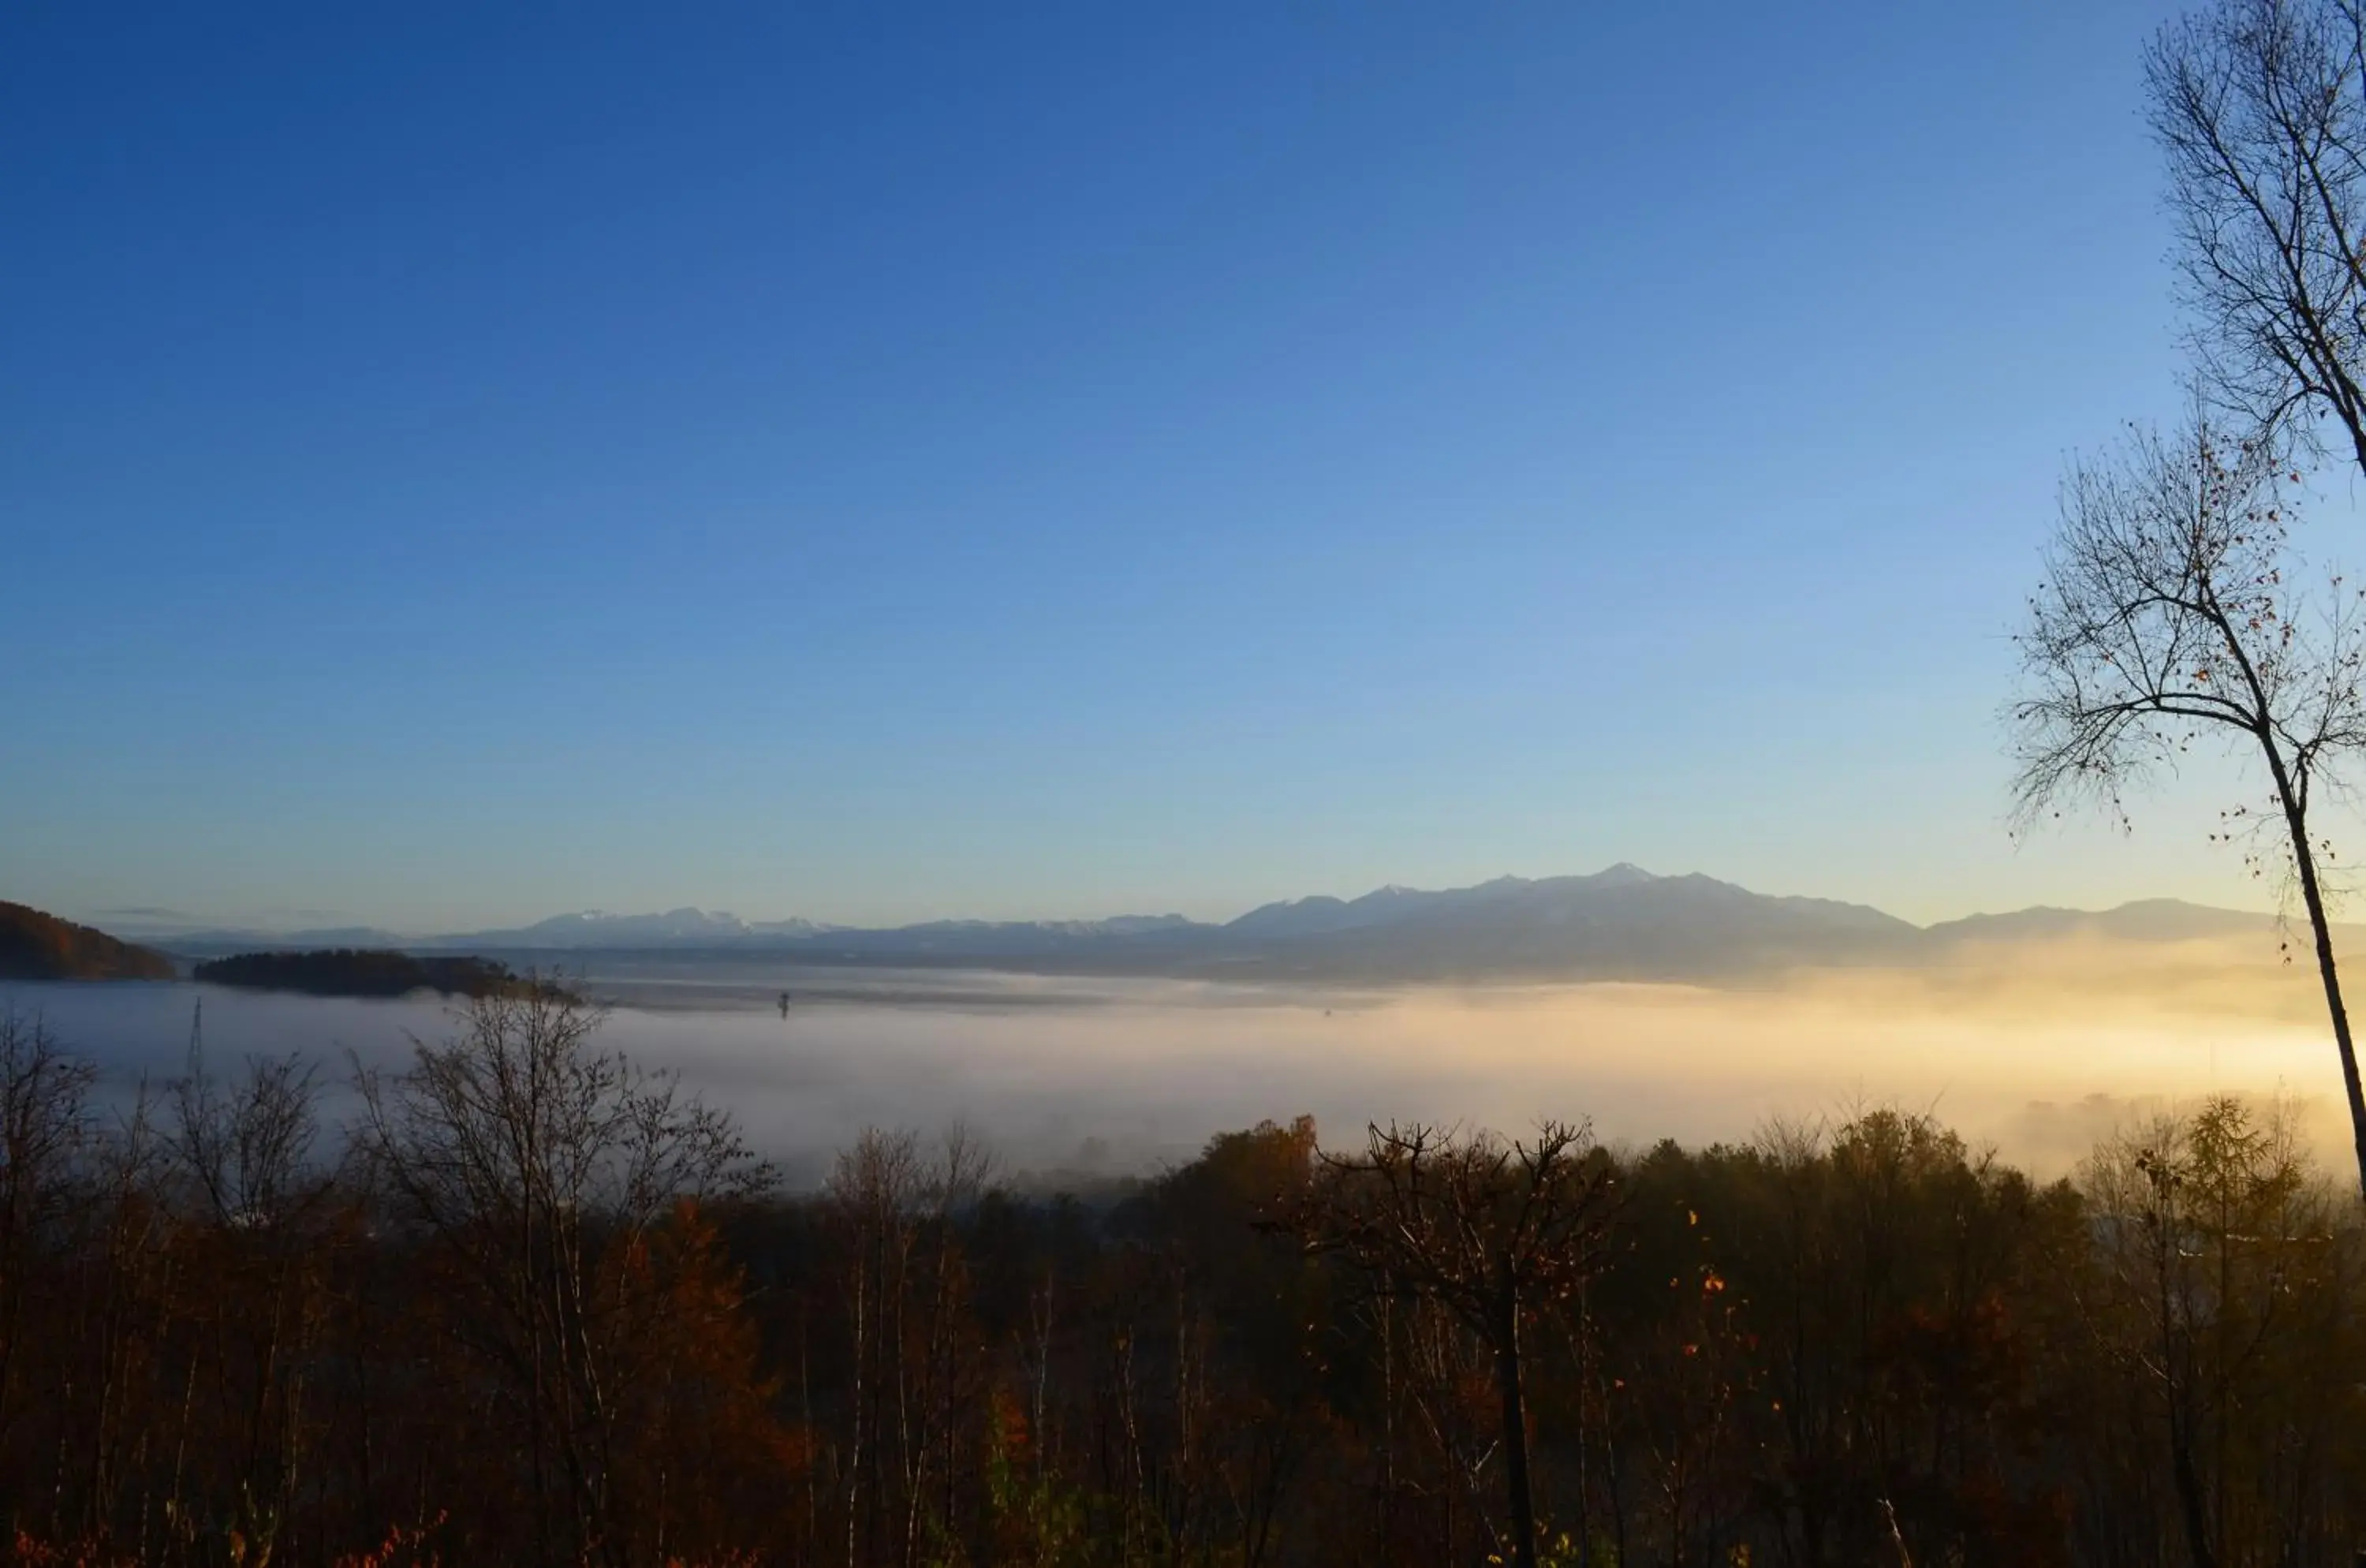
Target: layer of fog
x=2037 y=1051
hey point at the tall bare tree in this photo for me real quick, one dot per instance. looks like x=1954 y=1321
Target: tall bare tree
x=241 y=1154
x=2171 y=615
x=2260 y=107
x=533 y=1159
x=2205 y=1227
x=45 y=1130
x=1489 y=1229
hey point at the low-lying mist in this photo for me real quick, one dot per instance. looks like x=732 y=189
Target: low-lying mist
x=2038 y=1049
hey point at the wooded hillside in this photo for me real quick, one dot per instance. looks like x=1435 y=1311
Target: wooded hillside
x=38 y=946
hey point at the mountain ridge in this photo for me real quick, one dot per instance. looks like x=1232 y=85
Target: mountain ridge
x=1621 y=922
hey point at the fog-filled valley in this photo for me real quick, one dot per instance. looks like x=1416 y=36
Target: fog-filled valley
x=2038 y=1046
x=951 y=1266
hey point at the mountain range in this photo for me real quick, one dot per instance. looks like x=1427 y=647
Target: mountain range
x=1619 y=923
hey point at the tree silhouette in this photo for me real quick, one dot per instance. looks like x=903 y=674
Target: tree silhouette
x=1488 y=1229
x=2170 y=614
x=2260 y=109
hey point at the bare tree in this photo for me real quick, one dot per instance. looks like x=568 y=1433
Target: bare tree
x=2206 y=1228
x=2260 y=107
x=45 y=1131
x=242 y=1152
x=897 y=1210
x=953 y=1183
x=246 y=1148
x=1487 y=1229
x=529 y=1156
x=2169 y=615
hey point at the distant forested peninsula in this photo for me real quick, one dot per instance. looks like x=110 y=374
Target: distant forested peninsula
x=38 y=946
x=359 y=972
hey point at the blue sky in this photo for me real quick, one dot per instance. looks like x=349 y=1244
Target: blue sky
x=876 y=462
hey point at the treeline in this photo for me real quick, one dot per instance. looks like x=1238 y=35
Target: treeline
x=531 y=1304
x=359 y=972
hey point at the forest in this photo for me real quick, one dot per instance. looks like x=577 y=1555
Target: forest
x=357 y=972
x=523 y=1301
x=39 y=946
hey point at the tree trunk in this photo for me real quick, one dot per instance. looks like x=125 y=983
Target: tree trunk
x=2320 y=928
x=1515 y=1432
x=2195 y=1506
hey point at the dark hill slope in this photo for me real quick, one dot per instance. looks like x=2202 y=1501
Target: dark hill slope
x=36 y=946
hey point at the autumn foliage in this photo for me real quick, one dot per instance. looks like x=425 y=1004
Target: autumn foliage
x=528 y=1303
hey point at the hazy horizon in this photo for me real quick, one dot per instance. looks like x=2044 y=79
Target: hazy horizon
x=153 y=920
x=2039 y=1048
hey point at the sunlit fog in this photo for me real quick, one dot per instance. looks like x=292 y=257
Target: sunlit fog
x=2038 y=1049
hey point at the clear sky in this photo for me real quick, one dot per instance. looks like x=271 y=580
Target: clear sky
x=877 y=462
